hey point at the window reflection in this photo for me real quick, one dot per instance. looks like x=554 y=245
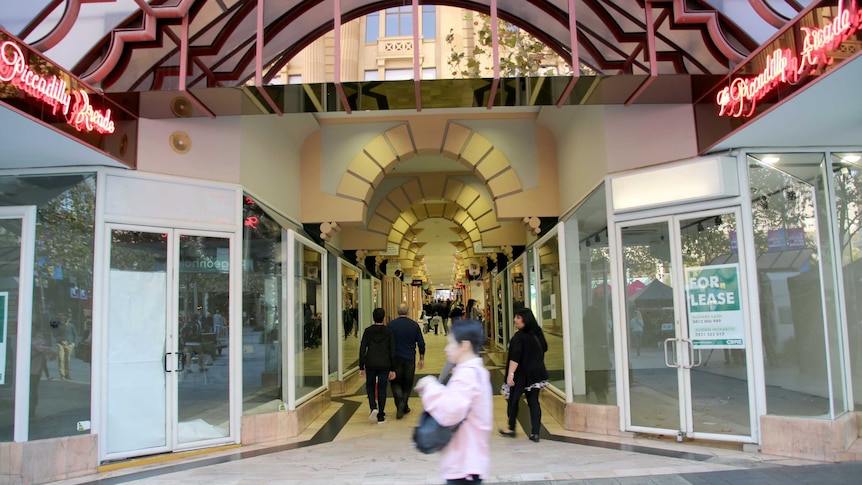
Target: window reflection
x=308 y=322
x=262 y=295
x=847 y=171
x=589 y=296
x=786 y=194
x=549 y=308
x=63 y=283
x=351 y=323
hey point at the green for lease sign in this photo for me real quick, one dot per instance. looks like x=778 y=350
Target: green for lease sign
x=712 y=295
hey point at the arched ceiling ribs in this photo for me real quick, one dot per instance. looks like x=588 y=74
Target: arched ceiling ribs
x=406 y=205
x=768 y=13
x=693 y=35
x=380 y=156
x=67 y=21
x=147 y=33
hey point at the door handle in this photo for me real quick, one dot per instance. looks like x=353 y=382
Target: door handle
x=666 y=361
x=166 y=361
x=691 y=362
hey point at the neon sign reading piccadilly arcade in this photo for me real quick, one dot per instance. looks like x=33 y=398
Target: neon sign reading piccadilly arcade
x=739 y=99
x=73 y=104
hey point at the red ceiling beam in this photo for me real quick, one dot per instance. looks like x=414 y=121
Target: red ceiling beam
x=576 y=62
x=653 y=67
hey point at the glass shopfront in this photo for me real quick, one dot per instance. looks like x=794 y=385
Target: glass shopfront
x=47 y=394
x=588 y=301
x=307 y=302
x=806 y=223
x=549 y=310
x=350 y=301
x=263 y=311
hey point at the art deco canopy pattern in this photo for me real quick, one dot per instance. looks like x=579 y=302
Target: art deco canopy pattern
x=136 y=44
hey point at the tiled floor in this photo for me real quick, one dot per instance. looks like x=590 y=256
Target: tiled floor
x=368 y=453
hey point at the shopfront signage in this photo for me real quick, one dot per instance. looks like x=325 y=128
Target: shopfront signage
x=715 y=319
x=73 y=104
x=740 y=98
x=4 y=333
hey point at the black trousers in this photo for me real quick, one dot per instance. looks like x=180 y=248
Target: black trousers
x=535 y=410
x=402 y=386
x=376 y=380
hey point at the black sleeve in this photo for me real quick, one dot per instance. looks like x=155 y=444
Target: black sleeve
x=363 y=349
x=516 y=348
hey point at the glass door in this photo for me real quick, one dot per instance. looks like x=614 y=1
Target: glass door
x=167 y=370
x=138 y=364
x=686 y=327
x=202 y=294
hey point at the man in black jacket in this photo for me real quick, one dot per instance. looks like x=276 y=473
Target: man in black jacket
x=408 y=336
x=377 y=364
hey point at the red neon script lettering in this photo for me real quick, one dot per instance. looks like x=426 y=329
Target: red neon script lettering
x=52 y=91
x=740 y=98
x=818 y=41
x=14 y=69
x=86 y=118
x=252 y=222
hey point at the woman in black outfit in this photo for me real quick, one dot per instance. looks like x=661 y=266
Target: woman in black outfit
x=525 y=371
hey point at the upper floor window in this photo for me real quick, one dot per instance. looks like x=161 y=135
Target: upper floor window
x=372 y=27
x=399 y=21
x=429 y=22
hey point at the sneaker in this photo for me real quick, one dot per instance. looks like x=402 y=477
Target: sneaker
x=381 y=421
x=373 y=416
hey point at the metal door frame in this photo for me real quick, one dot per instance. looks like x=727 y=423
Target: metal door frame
x=683 y=359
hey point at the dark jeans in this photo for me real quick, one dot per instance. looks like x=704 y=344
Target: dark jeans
x=535 y=410
x=402 y=386
x=474 y=479
x=377 y=379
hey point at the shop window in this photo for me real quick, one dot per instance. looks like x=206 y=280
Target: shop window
x=62 y=303
x=429 y=73
x=309 y=315
x=549 y=307
x=589 y=296
x=262 y=340
x=372 y=75
x=352 y=325
x=847 y=176
x=796 y=269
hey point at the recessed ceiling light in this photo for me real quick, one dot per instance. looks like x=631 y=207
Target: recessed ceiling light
x=852 y=158
x=770 y=159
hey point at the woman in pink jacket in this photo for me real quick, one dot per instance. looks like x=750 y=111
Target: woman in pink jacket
x=465 y=399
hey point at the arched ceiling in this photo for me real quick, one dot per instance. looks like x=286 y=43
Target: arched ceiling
x=136 y=44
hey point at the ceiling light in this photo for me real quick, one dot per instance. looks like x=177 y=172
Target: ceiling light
x=852 y=158
x=770 y=159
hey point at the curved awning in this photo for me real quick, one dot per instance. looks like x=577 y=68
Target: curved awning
x=135 y=47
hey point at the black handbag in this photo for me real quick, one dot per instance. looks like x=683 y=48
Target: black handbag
x=428 y=435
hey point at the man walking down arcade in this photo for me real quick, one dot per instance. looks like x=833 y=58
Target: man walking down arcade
x=408 y=335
